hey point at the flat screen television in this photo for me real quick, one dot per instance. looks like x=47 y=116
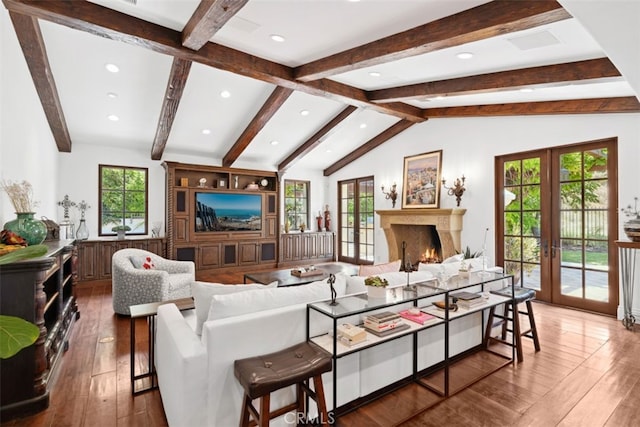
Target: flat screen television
x=228 y=212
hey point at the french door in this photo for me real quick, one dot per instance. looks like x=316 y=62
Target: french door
x=356 y=217
x=556 y=223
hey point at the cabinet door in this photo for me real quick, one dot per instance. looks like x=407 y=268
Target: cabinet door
x=87 y=261
x=249 y=253
x=290 y=247
x=210 y=256
x=105 y=253
x=229 y=254
x=182 y=229
x=156 y=246
x=271 y=227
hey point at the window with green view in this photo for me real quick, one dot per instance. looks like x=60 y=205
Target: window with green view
x=123 y=199
x=296 y=203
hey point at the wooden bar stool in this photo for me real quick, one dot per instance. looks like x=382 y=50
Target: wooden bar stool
x=512 y=314
x=261 y=375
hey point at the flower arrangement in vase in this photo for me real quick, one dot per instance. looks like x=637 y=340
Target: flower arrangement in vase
x=376 y=287
x=632 y=225
x=32 y=230
x=121 y=230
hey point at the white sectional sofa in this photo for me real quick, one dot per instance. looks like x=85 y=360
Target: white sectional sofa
x=196 y=376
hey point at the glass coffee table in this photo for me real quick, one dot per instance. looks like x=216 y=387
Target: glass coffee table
x=285 y=278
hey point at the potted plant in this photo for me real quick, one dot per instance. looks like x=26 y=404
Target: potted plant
x=121 y=230
x=376 y=287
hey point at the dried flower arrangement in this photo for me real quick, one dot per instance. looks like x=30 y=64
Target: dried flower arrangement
x=632 y=211
x=21 y=195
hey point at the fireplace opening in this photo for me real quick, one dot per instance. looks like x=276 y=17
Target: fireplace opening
x=417 y=243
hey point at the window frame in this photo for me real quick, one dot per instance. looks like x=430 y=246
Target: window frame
x=296 y=213
x=145 y=230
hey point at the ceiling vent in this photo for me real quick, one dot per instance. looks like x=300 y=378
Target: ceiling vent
x=132 y=2
x=535 y=40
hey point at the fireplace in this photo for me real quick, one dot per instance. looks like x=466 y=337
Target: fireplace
x=420 y=230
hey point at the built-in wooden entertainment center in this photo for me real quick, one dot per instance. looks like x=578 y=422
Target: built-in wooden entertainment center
x=202 y=228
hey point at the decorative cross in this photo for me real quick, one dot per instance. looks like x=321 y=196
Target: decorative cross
x=66 y=203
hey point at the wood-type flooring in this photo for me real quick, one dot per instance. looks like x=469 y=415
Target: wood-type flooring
x=587 y=374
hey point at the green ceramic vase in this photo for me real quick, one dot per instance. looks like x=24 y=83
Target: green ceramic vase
x=29 y=228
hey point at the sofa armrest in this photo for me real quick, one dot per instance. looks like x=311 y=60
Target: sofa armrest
x=173 y=266
x=181 y=364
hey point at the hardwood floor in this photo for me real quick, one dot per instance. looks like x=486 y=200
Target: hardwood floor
x=587 y=374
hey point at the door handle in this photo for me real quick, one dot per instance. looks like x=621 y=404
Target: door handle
x=553 y=249
x=545 y=248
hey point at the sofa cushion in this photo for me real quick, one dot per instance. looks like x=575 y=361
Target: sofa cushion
x=355 y=284
x=144 y=262
x=203 y=292
x=376 y=269
x=228 y=305
x=453 y=259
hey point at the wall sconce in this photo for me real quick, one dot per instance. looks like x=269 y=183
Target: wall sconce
x=457 y=189
x=393 y=195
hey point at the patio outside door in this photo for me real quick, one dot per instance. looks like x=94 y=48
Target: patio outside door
x=356 y=218
x=557 y=222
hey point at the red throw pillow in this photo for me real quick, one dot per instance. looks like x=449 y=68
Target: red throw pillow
x=148 y=264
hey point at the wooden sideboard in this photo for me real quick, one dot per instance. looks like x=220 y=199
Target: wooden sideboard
x=38 y=290
x=308 y=247
x=94 y=256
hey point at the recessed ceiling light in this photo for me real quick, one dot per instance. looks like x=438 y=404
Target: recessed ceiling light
x=112 y=95
x=274 y=142
x=329 y=150
x=277 y=38
x=225 y=94
x=439 y=97
x=304 y=112
x=526 y=90
x=113 y=117
x=113 y=68
x=464 y=55
x=374 y=74
x=363 y=125
x=206 y=131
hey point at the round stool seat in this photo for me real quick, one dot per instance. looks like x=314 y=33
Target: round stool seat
x=520 y=294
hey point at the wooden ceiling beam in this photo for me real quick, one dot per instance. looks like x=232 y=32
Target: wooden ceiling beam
x=208 y=19
x=482 y=22
x=269 y=108
x=172 y=96
x=628 y=104
x=30 y=38
x=108 y=23
x=545 y=76
x=376 y=141
x=316 y=139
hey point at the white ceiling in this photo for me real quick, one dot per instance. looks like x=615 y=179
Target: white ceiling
x=313 y=29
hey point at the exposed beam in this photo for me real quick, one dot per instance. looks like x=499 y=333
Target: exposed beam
x=32 y=44
x=316 y=139
x=545 y=76
x=208 y=18
x=108 y=23
x=368 y=146
x=575 y=106
x=270 y=107
x=478 y=23
x=172 y=96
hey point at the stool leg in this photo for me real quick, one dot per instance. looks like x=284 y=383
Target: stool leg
x=265 y=410
x=300 y=410
x=322 y=405
x=532 y=322
x=516 y=333
x=507 y=306
x=487 y=332
x=244 y=417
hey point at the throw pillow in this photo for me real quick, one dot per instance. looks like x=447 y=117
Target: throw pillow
x=377 y=269
x=229 y=305
x=203 y=292
x=454 y=258
x=143 y=262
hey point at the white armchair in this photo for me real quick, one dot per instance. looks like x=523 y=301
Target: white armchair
x=133 y=284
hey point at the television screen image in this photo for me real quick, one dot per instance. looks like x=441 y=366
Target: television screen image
x=228 y=212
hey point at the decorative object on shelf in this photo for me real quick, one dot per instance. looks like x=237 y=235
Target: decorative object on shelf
x=264 y=183
x=202 y=183
x=307 y=271
x=184 y=182
x=632 y=225
x=391 y=194
x=327 y=218
x=67 y=227
x=121 y=230
x=83 y=232
x=331 y=280
x=235 y=182
x=420 y=180
x=287 y=226
x=155 y=229
x=376 y=287
x=457 y=189
x=252 y=187
x=222 y=183
x=303 y=226
x=408 y=268
x=32 y=230
x=53 y=229
x=319 y=221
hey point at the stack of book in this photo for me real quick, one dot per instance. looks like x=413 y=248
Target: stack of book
x=350 y=334
x=382 y=322
x=468 y=300
x=420 y=317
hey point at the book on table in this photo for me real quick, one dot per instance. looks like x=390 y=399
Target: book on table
x=350 y=334
x=466 y=296
x=400 y=326
x=382 y=321
x=421 y=318
x=467 y=304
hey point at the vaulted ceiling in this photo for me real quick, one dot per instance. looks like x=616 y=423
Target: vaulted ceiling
x=206 y=78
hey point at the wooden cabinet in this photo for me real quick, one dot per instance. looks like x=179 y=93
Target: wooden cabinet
x=94 y=256
x=202 y=229
x=305 y=248
x=40 y=291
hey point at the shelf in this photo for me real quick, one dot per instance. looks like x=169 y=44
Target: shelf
x=50 y=301
x=491 y=302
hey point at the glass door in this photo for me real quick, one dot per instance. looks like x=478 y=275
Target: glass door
x=356 y=218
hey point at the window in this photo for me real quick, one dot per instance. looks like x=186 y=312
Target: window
x=123 y=199
x=296 y=203
x=356 y=219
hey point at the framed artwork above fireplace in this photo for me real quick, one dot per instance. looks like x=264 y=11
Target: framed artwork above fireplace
x=421 y=180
